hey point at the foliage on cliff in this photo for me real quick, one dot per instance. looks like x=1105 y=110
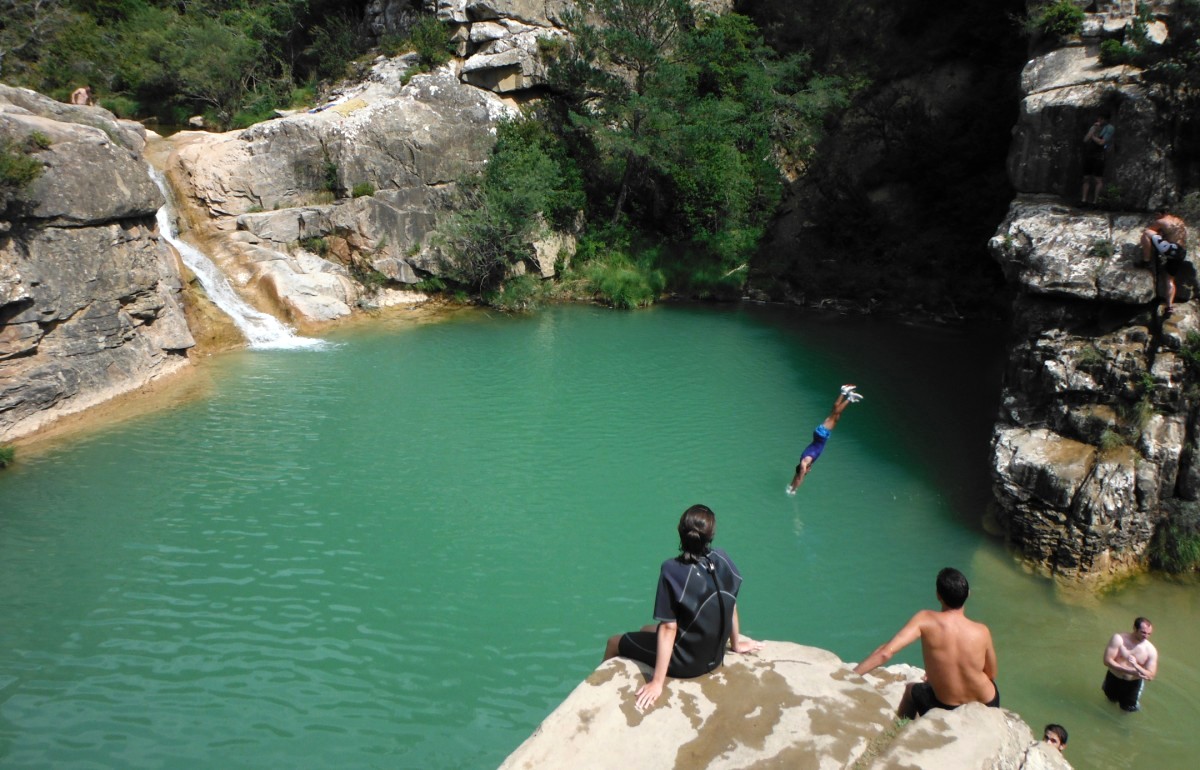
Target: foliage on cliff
x=677 y=125
x=172 y=59
x=18 y=166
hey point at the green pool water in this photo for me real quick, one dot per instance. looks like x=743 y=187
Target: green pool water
x=404 y=549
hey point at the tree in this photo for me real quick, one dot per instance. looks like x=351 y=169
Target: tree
x=691 y=119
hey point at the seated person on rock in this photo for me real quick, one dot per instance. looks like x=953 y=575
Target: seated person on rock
x=1166 y=238
x=960 y=661
x=696 y=610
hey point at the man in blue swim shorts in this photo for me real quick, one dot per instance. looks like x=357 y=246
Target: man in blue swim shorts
x=821 y=435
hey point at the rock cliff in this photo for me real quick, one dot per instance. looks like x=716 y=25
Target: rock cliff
x=90 y=298
x=787 y=707
x=1095 y=445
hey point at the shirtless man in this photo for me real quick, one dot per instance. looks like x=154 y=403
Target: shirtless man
x=1131 y=660
x=811 y=452
x=960 y=662
x=82 y=95
x=1166 y=236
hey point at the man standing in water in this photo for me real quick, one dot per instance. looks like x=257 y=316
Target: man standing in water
x=960 y=662
x=1131 y=660
x=821 y=435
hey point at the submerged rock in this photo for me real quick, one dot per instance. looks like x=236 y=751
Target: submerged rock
x=788 y=706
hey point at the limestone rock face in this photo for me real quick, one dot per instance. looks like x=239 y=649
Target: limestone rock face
x=1095 y=442
x=273 y=202
x=90 y=298
x=787 y=706
x=1064 y=91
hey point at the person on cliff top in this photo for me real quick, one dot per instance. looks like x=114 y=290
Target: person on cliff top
x=696 y=610
x=1097 y=144
x=1166 y=238
x=83 y=96
x=1132 y=661
x=821 y=434
x=960 y=661
x=1056 y=736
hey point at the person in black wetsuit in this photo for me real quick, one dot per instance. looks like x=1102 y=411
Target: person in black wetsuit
x=696 y=610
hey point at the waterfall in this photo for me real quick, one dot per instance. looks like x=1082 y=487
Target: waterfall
x=261 y=330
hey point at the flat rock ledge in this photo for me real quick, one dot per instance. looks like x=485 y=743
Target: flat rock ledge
x=789 y=706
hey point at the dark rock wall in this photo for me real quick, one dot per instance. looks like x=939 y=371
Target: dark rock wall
x=896 y=209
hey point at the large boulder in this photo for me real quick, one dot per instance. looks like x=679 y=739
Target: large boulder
x=273 y=203
x=90 y=297
x=788 y=706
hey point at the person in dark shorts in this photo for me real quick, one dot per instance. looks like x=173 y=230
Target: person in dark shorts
x=821 y=434
x=1097 y=144
x=1132 y=661
x=1166 y=239
x=960 y=661
x=696 y=610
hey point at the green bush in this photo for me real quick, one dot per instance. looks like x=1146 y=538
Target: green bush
x=7 y=453
x=1111 y=439
x=122 y=106
x=329 y=176
x=1114 y=52
x=318 y=246
x=623 y=284
x=17 y=170
x=362 y=189
x=1101 y=248
x=430 y=39
x=1061 y=19
x=518 y=294
x=1175 y=546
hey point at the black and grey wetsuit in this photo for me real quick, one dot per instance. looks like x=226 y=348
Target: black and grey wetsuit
x=688 y=595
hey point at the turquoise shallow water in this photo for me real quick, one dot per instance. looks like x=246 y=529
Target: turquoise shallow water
x=405 y=549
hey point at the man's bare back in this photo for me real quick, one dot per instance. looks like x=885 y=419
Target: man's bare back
x=958 y=657
x=960 y=660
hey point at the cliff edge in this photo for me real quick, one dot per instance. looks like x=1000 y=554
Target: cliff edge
x=788 y=706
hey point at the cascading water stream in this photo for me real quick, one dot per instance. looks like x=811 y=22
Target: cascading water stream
x=261 y=330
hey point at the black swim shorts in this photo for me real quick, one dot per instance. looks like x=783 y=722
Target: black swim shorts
x=1126 y=692
x=924 y=698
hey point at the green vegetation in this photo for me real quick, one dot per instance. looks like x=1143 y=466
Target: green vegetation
x=318 y=246
x=18 y=167
x=362 y=189
x=1060 y=19
x=1112 y=439
x=7 y=453
x=1102 y=248
x=529 y=186
x=661 y=146
x=235 y=61
x=1175 y=546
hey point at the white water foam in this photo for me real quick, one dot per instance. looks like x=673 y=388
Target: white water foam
x=262 y=330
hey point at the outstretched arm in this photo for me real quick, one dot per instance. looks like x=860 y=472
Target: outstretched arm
x=904 y=637
x=648 y=693
x=739 y=643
